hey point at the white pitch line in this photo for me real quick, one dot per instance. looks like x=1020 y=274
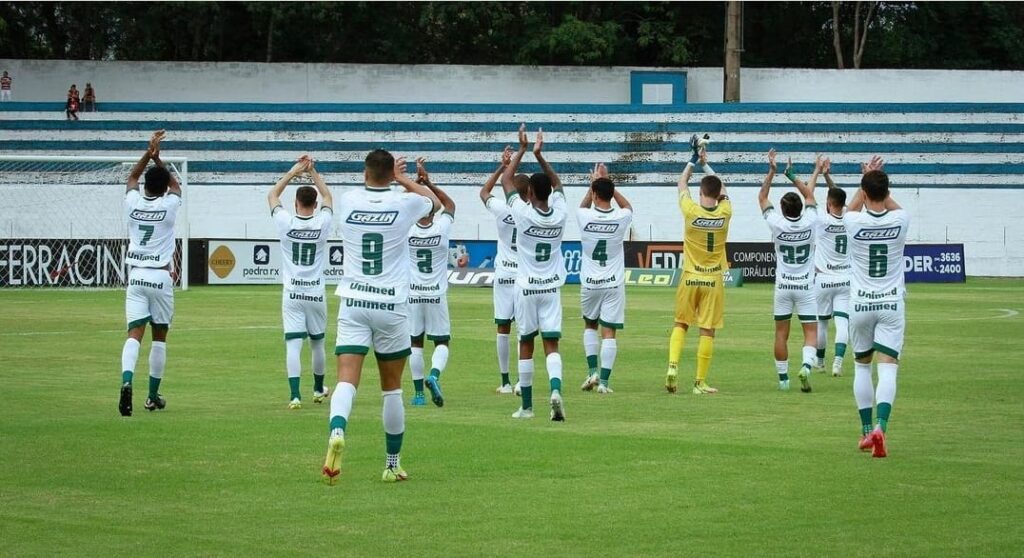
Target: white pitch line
x=33 y=333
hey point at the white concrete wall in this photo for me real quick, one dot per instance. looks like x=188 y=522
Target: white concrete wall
x=48 y=80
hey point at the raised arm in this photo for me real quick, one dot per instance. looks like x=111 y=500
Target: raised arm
x=274 y=196
x=766 y=186
x=857 y=203
x=485 y=190
x=538 y=145
x=826 y=171
x=507 y=183
x=140 y=167
x=621 y=200
x=423 y=177
x=806 y=189
x=411 y=186
x=326 y=198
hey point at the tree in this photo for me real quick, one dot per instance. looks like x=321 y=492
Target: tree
x=860 y=31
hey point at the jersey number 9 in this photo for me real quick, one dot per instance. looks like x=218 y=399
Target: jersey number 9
x=373 y=254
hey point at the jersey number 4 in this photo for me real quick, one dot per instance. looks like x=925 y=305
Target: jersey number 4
x=600 y=254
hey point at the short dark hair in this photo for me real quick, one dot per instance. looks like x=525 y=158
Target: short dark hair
x=541 y=185
x=711 y=186
x=306 y=196
x=157 y=180
x=604 y=189
x=875 y=185
x=791 y=205
x=380 y=166
x=837 y=196
x=522 y=183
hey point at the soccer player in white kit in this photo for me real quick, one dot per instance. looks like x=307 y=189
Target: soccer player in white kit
x=303 y=239
x=792 y=231
x=375 y=224
x=832 y=273
x=603 y=228
x=506 y=266
x=150 y=260
x=877 y=227
x=428 y=292
x=540 y=225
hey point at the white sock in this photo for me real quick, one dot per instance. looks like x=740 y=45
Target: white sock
x=129 y=355
x=609 y=348
x=158 y=359
x=886 y=390
x=863 y=387
x=842 y=330
x=341 y=403
x=525 y=372
x=782 y=367
x=416 y=363
x=439 y=359
x=319 y=356
x=394 y=412
x=503 y=352
x=810 y=355
x=590 y=343
x=293 y=353
x=554 y=367
x=822 y=334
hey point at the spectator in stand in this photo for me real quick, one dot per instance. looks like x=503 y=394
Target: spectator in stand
x=89 y=100
x=5 y=87
x=71 y=109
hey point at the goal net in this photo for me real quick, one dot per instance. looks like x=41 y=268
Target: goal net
x=62 y=221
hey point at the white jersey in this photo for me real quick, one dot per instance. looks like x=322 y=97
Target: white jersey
x=794 y=246
x=505 y=263
x=602 y=233
x=150 y=229
x=832 y=245
x=428 y=254
x=539 y=236
x=876 y=254
x=303 y=248
x=375 y=226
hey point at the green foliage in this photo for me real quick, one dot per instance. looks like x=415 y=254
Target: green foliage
x=776 y=34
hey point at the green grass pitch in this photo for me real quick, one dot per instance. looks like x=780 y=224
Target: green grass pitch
x=226 y=469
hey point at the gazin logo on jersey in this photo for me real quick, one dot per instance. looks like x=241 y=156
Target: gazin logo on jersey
x=380 y=218
x=150 y=216
x=304 y=234
x=508 y=220
x=606 y=228
x=417 y=242
x=887 y=233
x=797 y=236
x=709 y=223
x=543 y=232
x=835 y=229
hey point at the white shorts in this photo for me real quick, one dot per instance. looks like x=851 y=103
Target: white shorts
x=431 y=317
x=304 y=314
x=504 y=300
x=539 y=311
x=5 y=94
x=150 y=297
x=605 y=306
x=363 y=325
x=877 y=326
x=833 y=296
x=800 y=300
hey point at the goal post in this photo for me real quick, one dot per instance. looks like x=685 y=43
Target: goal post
x=62 y=221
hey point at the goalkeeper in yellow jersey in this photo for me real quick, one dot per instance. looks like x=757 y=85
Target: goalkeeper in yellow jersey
x=700 y=298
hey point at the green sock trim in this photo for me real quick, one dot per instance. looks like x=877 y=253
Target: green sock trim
x=883 y=415
x=393 y=443
x=865 y=419
x=418 y=385
x=820 y=353
x=505 y=380
x=154 y=387
x=605 y=374
x=591 y=362
x=337 y=422
x=840 y=349
x=293 y=385
x=435 y=372
x=556 y=384
x=126 y=376
x=318 y=382
x=527 y=396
